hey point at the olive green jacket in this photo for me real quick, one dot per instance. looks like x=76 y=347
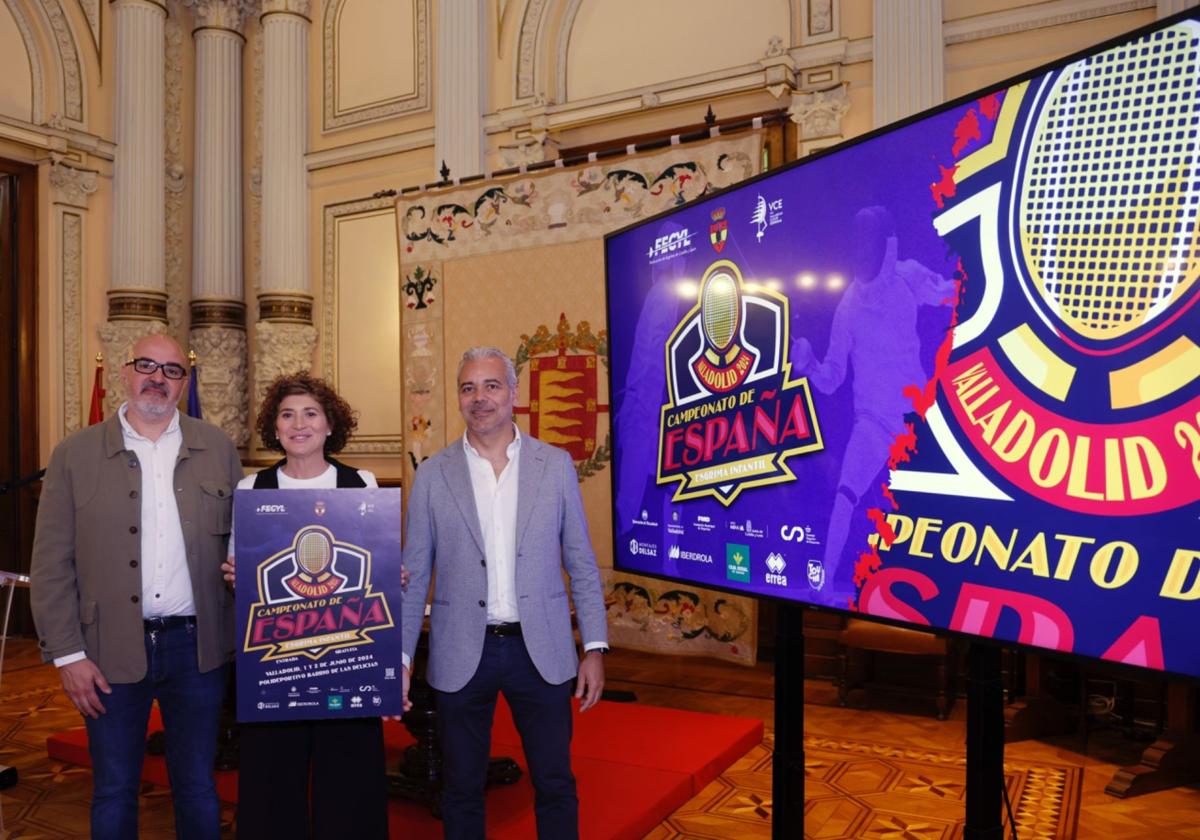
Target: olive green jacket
x=86 y=576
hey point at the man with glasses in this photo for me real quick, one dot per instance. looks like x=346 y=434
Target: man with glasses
x=127 y=592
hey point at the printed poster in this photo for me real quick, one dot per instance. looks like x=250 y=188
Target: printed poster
x=318 y=603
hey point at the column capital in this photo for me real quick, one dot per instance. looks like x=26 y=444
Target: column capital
x=222 y=14
x=303 y=8
x=819 y=113
x=71 y=186
x=161 y=5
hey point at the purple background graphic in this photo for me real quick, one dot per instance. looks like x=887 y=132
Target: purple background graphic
x=359 y=681
x=860 y=343
x=811 y=245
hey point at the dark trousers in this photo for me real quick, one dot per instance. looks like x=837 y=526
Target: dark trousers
x=190 y=703
x=342 y=761
x=542 y=713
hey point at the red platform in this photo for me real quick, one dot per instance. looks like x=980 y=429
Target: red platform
x=634 y=764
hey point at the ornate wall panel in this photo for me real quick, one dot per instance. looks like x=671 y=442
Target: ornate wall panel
x=674 y=39
x=71 y=257
x=819 y=20
x=361 y=315
x=358 y=87
x=70 y=190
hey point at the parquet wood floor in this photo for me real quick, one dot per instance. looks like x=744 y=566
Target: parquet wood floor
x=51 y=799
x=745 y=790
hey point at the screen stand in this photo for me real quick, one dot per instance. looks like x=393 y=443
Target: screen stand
x=787 y=767
x=985 y=744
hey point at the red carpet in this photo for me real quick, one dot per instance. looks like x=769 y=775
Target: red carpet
x=634 y=764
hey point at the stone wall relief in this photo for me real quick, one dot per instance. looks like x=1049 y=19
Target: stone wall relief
x=819 y=114
x=221 y=361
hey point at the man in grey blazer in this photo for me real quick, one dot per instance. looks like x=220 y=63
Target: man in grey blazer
x=498 y=517
x=127 y=593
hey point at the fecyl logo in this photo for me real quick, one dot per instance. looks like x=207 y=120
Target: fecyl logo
x=671 y=245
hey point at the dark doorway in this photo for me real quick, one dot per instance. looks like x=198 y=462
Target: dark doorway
x=18 y=373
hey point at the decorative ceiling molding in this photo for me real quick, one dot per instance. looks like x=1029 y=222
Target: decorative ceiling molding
x=35 y=60
x=69 y=65
x=405 y=141
x=418 y=100
x=1041 y=16
x=528 y=52
x=91 y=11
x=560 y=51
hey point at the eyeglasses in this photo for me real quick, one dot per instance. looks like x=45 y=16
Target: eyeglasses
x=148 y=366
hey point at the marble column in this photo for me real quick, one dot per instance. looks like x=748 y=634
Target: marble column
x=218 y=310
x=284 y=337
x=137 y=298
x=909 y=58
x=460 y=99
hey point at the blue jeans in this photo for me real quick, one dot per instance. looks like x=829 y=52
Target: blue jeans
x=190 y=703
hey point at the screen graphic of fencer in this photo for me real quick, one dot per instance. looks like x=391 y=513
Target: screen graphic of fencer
x=874 y=332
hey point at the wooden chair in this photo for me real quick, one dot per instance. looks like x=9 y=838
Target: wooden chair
x=871 y=638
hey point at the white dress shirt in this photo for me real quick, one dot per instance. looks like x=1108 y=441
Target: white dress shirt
x=166 y=581
x=496 y=504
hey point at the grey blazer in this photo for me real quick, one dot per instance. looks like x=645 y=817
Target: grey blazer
x=442 y=536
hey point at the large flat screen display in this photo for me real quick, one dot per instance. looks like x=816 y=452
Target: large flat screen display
x=947 y=375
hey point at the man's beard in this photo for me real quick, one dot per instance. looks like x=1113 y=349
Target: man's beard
x=147 y=407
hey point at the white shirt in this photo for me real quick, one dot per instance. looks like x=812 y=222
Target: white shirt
x=325 y=481
x=166 y=580
x=496 y=504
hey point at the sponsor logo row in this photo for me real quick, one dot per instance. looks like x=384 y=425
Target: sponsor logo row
x=767 y=213
x=747 y=528
x=740 y=565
